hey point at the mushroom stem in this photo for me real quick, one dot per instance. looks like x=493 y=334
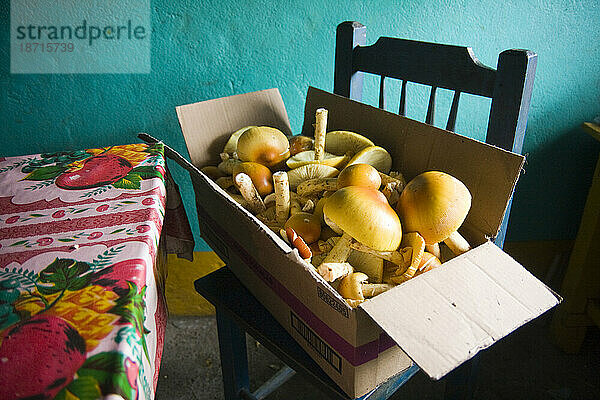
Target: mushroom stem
x=392 y=191
x=249 y=192
x=316 y=185
x=434 y=249
x=457 y=243
x=400 y=258
x=282 y=196
x=393 y=177
x=309 y=206
x=340 y=252
x=373 y=289
x=320 y=130
x=330 y=271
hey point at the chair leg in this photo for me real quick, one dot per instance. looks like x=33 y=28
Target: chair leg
x=234 y=358
x=460 y=383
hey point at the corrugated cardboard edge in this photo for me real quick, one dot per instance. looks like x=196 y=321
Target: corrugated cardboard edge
x=445 y=327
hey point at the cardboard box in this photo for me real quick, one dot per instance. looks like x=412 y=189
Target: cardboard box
x=439 y=319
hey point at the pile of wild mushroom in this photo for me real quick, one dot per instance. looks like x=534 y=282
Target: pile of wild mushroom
x=335 y=199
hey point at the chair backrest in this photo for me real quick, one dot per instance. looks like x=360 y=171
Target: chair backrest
x=441 y=66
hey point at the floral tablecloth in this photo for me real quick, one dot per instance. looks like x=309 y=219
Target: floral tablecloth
x=82 y=310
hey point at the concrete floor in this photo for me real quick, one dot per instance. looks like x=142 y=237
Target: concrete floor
x=524 y=365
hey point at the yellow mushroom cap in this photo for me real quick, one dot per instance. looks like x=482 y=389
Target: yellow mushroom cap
x=264 y=145
x=435 y=204
x=306 y=225
x=359 y=175
x=365 y=214
x=350 y=286
x=260 y=175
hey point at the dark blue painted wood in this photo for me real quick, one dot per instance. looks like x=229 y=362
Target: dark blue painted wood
x=346 y=80
x=234 y=359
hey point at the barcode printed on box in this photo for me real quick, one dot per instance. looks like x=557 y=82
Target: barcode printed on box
x=322 y=348
x=333 y=303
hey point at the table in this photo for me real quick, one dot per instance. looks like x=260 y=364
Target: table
x=581 y=283
x=83 y=236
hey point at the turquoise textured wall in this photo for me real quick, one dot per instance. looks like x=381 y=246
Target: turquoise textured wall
x=206 y=49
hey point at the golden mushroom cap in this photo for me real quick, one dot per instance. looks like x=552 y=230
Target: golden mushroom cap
x=264 y=145
x=260 y=175
x=350 y=286
x=306 y=225
x=365 y=214
x=435 y=204
x=359 y=175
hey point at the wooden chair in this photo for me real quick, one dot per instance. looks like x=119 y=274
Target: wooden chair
x=441 y=66
x=436 y=65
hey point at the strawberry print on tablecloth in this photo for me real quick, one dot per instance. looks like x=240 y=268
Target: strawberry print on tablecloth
x=81 y=304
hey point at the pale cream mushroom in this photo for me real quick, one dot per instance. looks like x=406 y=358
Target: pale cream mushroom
x=331 y=271
x=264 y=145
x=249 y=192
x=282 y=195
x=345 y=142
x=355 y=289
x=435 y=204
x=318 y=154
x=231 y=145
x=407 y=258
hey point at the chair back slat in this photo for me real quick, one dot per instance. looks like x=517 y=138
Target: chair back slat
x=453 y=111
x=382 y=102
x=429 y=118
x=402 y=106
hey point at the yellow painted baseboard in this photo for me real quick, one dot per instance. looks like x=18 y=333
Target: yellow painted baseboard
x=182 y=299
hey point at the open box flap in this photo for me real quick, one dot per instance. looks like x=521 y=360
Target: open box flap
x=489 y=172
x=207 y=125
x=445 y=316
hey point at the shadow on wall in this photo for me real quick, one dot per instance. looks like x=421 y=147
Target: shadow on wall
x=565 y=164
